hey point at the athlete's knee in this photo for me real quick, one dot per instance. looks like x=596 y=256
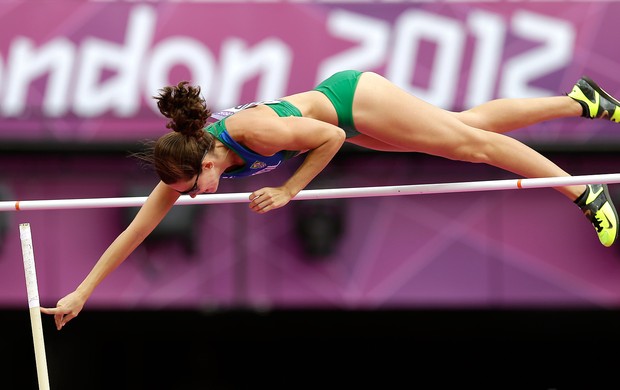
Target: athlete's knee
x=471 y=155
x=472 y=118
x=474 y=149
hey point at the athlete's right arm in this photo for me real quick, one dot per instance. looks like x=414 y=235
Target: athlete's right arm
x=157 y=205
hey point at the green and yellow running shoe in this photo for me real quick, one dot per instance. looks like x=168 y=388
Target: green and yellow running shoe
x=596 y=103
x=600 y=211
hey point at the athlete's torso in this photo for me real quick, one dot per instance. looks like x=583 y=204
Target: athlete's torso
x=254 y=163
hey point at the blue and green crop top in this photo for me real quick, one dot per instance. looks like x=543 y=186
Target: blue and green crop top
x=254 y=162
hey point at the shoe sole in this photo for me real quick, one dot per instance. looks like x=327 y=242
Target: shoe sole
x=600 y=90
x=613 y=208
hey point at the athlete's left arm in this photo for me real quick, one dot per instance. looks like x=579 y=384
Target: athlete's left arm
x=271 y=135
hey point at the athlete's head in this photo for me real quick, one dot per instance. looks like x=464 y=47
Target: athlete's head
x=177 y=155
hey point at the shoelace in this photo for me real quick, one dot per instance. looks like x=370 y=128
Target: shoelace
x=597 y=224
x=594 y=220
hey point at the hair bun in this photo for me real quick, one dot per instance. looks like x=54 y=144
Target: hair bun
x=185 y=107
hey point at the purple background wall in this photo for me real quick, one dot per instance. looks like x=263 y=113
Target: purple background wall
x=85 y=71
x=82 y=73
x=494 y=249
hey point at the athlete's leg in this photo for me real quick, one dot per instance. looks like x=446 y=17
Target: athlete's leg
x=503 y=115
x=384 y=111
x=374 y=144
x=586 y=99
x=387 y=113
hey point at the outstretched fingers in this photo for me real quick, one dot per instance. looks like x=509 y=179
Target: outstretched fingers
x=61 y=315
x=66 y=309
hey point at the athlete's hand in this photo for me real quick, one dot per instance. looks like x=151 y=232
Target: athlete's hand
x=66 y=309
x=268 y=198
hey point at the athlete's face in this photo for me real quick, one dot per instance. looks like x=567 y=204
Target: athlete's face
x=206 y=181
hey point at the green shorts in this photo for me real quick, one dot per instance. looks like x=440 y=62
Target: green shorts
x=339 y=89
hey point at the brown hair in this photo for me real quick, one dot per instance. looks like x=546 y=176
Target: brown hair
x=177 y=155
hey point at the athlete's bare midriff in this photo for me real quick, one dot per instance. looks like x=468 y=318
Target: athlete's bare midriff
x=315 y=105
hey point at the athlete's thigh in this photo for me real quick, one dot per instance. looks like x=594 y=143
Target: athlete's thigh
x=385 y=112
x=368 y=142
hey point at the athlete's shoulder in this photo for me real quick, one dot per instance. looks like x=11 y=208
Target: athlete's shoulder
x=219 y=115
